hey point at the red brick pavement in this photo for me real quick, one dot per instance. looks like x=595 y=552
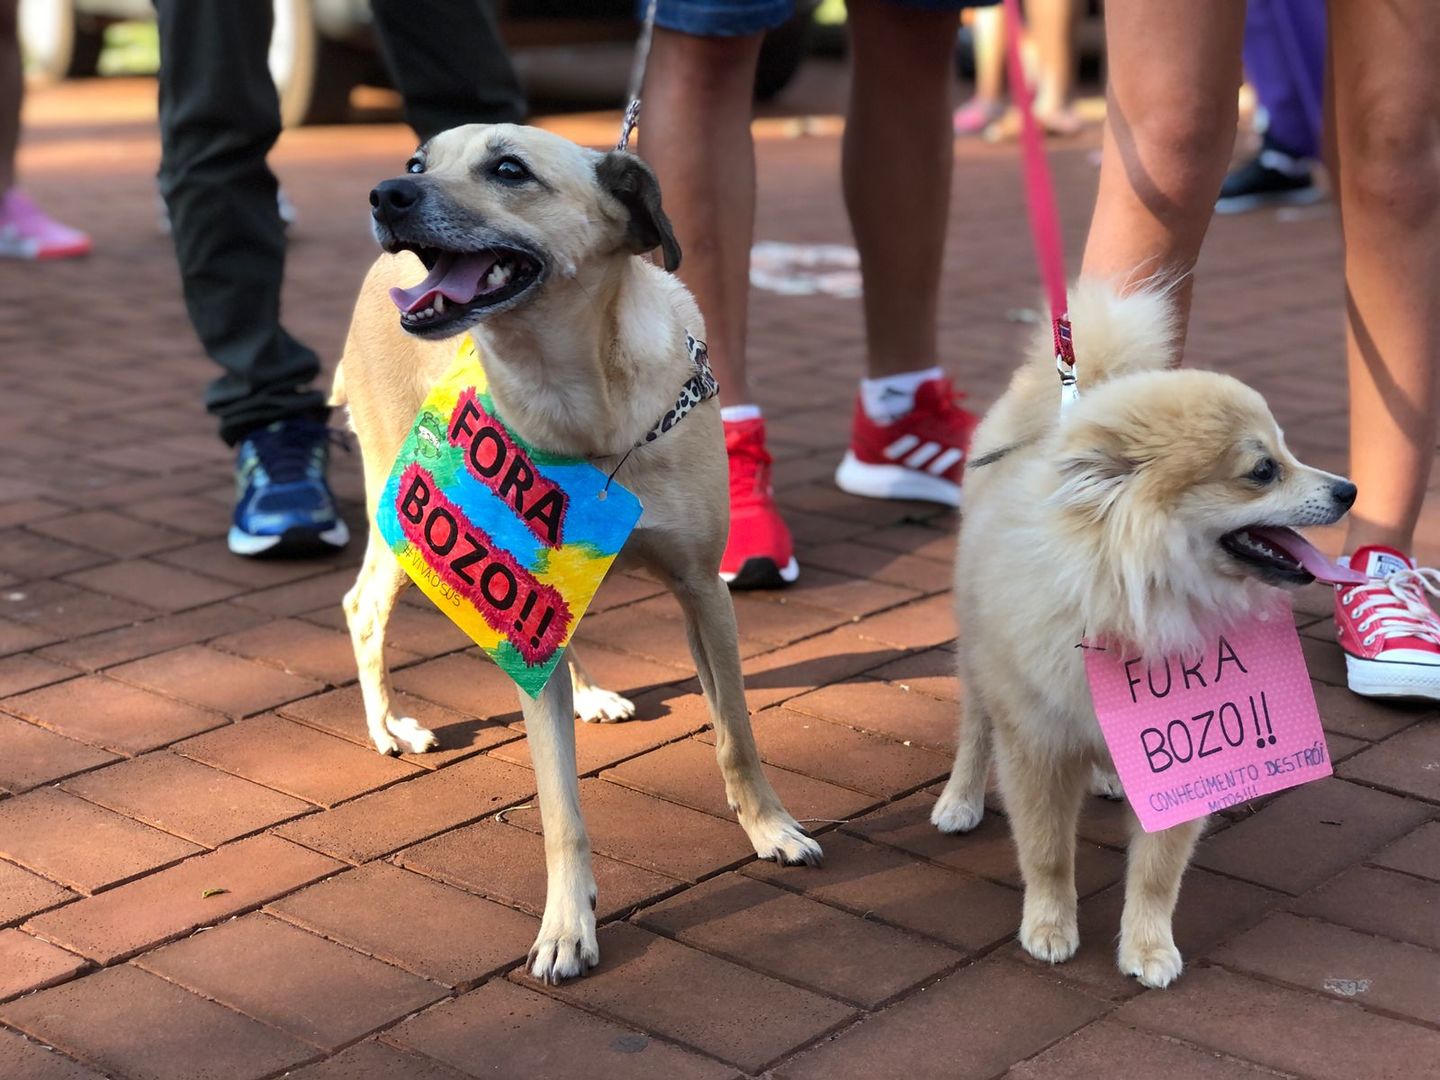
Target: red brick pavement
x=205 y=871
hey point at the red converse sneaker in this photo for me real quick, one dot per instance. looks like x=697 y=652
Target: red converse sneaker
x=1390 y=633
x=920 y=455
x=759 y=553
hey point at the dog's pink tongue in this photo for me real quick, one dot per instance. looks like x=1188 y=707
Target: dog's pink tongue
x=456 y=277
x=1302 y=551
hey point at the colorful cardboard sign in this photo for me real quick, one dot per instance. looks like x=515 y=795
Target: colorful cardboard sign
x=507 y=539
x=1194 y=735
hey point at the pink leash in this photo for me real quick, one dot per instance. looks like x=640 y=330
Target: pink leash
x=1040 y=203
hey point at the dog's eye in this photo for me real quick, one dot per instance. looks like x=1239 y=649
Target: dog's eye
x=415 y=165
x=1265 y=472
x=510 y=169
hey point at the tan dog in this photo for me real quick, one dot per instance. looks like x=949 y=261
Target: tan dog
x=1156 y=507
x=532 y=245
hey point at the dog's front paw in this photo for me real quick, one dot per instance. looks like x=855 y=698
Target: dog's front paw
x=595 y=705
x=410 y=737
x=1106 y=784
x=1155 y=964
x=565 y=948
x=779 y=838
x=1053 y=941
x=384 y=741
x=954 y=813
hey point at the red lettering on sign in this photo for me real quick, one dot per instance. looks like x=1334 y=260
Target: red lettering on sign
x=534 y=617
x=496 y=461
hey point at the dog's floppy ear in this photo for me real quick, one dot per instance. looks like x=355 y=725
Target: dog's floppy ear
x=632 y=183
x=1093 y=468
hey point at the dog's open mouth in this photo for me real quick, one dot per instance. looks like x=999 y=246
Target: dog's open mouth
x=461 y=285
x=1282 y=556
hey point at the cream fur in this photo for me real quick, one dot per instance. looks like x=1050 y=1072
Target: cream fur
x=1101 y=522
x=584 y=365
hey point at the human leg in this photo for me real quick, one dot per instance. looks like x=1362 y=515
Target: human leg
x=448 y=62
x=908 y=436
x=1052 y=32
x=695 y=132
x=987 y=31
x=219 y=116
x=1174 y=72
x=1386 y=98
x=1386 y=173
x=26 y=232
x=12 y=91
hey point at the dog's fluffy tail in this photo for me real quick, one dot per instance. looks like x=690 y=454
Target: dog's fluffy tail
x=1114 y=334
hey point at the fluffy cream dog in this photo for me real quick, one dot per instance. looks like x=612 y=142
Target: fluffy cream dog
x=1156 y=507
x=532 y=244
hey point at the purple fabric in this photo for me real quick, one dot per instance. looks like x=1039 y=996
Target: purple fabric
x=1285 y=60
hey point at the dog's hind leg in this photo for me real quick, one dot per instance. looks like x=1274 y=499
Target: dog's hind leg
x=1152 y=885
x=594 y=704
x=1105 y=782
x=710 y=626
x=368 y=605
x=962 y=804
x=1042 y=798
x=566 y=945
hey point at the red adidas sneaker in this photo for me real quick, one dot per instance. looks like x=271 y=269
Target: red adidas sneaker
x=920 y=455
x=1389 y=631
x=759 y=553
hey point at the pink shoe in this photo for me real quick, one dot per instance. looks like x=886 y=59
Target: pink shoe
x=976 y=115
x=27 y=232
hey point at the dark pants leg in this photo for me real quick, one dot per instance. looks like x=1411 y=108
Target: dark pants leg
x=448 y=63
x=219 y=116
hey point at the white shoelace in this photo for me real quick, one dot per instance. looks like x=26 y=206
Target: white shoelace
x=1398 y=606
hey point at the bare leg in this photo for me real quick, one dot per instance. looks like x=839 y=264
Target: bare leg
x=566 y=946
x=1052 y=30
x=962 y=804
x=368 y=605
x=12 y=92
x=1386 y=96
x=710 y=625
x=1152 y=885
x=705 y=85
x=988 y=28
x=1042 y=799
x=1170 y=125
x=896 y=170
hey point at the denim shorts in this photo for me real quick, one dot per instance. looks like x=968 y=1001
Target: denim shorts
x=729 y=18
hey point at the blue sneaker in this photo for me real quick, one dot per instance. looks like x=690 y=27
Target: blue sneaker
x=283 y=504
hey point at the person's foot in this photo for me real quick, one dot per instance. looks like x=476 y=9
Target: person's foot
x=1389 y=631
x=1271 y=178
x=283 y=504
x=976 y=115
x=27 y=232
x=1061 y=122
x=759 y=553
x=918 y=455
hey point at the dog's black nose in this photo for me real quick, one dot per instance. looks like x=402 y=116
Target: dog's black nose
x=1343 y=492
x=393 y=199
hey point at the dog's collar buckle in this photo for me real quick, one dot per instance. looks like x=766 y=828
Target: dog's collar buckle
x=1065 y=362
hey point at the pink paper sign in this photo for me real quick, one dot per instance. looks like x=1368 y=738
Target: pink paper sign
x=1194 y=735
